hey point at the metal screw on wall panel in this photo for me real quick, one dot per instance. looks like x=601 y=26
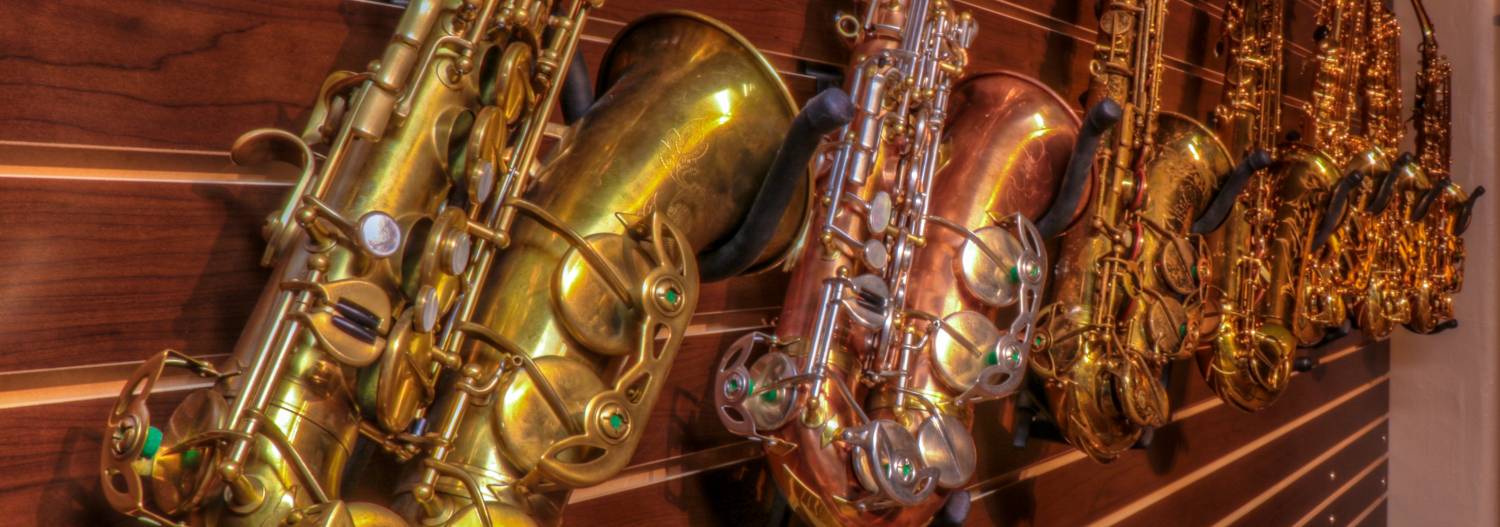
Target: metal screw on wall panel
x=1382 y=481
x=1382 y=438
x=1332 y=475
x=1332 y=519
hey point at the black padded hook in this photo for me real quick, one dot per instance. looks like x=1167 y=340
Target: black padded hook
x=1388 y=185
x=1334 y=214
x=1425 y=202
x=1098 y=120
x=1466 y=211
x=1234 y=184
x=577 y=96
x=824 y=113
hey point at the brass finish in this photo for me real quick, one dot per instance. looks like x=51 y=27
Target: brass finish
x=1438 y=245
x=889 y=333
x=367 y=253
x=573 y=327
x=1129 y=278
x=1248 y=360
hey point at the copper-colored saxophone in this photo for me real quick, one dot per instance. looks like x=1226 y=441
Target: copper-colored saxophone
x=1443 y=213
x=1248 y=359
x=368 y=253
x=863 y=395
x=595 y=272
x=1129 y=278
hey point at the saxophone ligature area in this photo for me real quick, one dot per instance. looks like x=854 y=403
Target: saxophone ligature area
x=368 y=252
x=1130 y=275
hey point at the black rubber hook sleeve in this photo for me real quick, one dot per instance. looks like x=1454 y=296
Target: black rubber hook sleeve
x=1098 y=120
x=1234 y=184
x=824 y=113
x=1333 y=215
x=1427 y=199
x=1388 y=184
x=1466 y=211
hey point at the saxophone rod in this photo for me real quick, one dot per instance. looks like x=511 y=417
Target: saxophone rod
x=520 y=166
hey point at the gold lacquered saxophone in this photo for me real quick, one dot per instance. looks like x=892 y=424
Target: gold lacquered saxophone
x=1443 y=213
x=1129 y=278
x=368 y=253
x=863 y=395
x=1249 y=358
x=1339 y=265
x=1389 y=238
x=573 y=327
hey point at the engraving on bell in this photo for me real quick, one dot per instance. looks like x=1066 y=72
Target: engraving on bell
x=992 y=282
x=1177 y=264
x=379 y=234
x=879 y=216
x=957 y=363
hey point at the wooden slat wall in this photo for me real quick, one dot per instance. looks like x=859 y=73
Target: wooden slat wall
x=127 y=231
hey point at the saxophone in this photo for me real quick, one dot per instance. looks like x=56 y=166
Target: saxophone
x=1249 y=359
x=1338 y=267
x=1129 y=278
x=1388 y=260
x=368 y=254
x=1443 y=213
x=582 y=299
x=863 y=398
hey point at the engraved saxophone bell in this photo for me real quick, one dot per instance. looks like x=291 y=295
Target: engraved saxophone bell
x=585 y=310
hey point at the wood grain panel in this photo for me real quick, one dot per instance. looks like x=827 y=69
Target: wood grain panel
x=1348 y=506
x=51 y=461
x=1207 y=500
x=204 y=73
x=1305 y=492
x=106 y=271
x=1095 y=490
x=172 y=74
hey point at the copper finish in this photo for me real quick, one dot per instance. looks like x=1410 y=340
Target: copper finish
x=889 y=335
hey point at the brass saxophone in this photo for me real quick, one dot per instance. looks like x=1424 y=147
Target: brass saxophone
x=368 y=254
x=863 y=396
x=1130 y=276
x=582 y=301
x=1443 y=213
x=1338 y=267
x=1388 y=238
x=1249 y=359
